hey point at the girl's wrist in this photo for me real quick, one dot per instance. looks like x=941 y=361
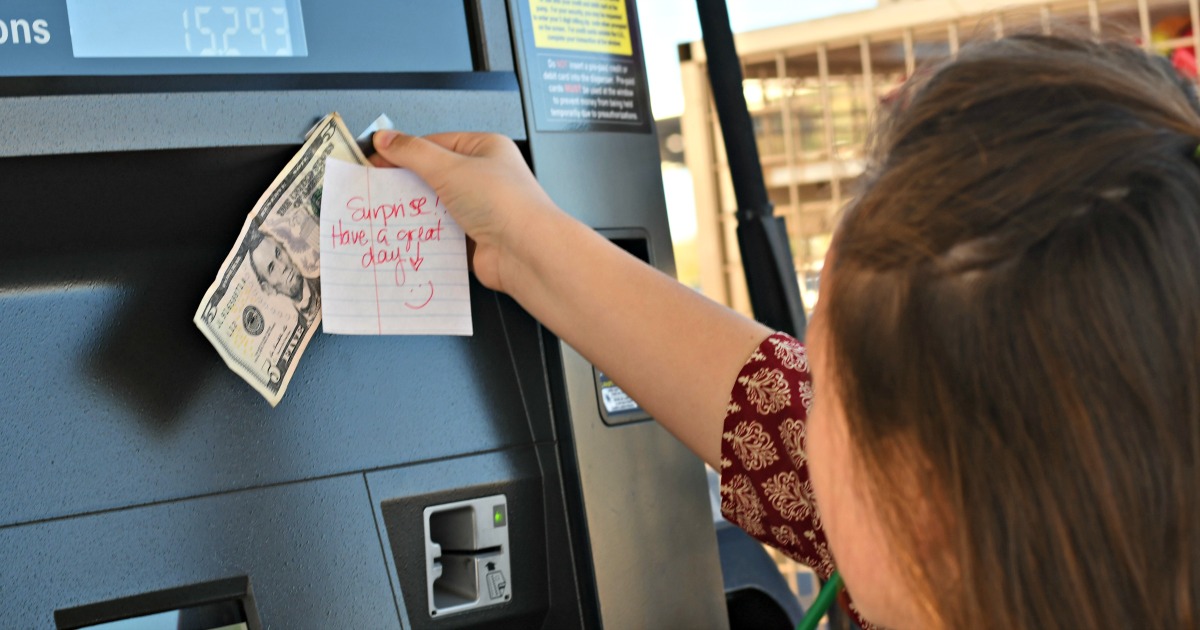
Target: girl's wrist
x=525 y=252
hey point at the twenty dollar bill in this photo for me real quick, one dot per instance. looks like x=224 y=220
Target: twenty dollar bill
x=265 y=304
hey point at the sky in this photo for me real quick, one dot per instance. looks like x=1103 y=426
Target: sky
x=668 y=23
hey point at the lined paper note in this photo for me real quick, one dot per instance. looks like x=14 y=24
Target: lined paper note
x=393 y=261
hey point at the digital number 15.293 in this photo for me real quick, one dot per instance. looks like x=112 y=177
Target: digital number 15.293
x=232 y=31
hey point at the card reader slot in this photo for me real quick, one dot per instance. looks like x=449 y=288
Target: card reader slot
x=467 y=555
x=471 y=552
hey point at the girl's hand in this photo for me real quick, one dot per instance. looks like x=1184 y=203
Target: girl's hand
x=485 y=184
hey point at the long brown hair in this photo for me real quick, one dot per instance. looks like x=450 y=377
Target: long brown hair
x=1013 y=308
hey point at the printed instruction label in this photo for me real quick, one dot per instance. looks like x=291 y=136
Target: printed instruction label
x=614 y=399
x=600 y=26
x=584 y=74
x=591 y=90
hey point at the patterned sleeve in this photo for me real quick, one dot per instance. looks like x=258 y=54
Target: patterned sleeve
x=765 y=487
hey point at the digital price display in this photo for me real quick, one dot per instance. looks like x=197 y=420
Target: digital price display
x=186 y=28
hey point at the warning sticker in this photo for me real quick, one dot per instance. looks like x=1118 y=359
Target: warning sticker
x=600 y=26
x=584 y=69
x=616 y=400
x=616 y=407
x=583 y=90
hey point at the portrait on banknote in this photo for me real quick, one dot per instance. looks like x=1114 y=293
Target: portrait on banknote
x=265 y=305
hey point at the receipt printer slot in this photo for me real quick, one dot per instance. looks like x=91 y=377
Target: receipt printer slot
x=220 y=605
x=466 y=555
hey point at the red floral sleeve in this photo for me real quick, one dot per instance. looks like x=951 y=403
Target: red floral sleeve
x=765 y=487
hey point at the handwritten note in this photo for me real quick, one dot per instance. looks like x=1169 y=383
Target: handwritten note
x=393 y=261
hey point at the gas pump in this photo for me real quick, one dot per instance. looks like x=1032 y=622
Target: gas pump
x=414 y=482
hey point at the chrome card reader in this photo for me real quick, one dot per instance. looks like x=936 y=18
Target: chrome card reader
x=466 y=555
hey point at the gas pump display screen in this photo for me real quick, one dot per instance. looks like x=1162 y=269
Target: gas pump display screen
x=114 y=38
x=186 y=28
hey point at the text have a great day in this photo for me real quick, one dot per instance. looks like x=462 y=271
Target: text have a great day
x=390 y=245
x=389 y=218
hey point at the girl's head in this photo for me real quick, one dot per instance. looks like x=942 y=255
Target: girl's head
x=1008 y=341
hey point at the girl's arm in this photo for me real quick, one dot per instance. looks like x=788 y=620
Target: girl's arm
x=674 y=351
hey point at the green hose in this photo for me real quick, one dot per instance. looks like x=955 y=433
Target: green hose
x=824 y=600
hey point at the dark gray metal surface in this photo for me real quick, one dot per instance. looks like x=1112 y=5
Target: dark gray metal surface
x=56 y=125
x=493 y=44
x=651 y=545
x=311 y=551
x=127 y=442
x=113 y=398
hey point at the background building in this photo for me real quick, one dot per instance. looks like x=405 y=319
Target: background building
x=813 y=89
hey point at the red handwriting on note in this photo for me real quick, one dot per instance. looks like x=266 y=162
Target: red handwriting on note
x=392 y=260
